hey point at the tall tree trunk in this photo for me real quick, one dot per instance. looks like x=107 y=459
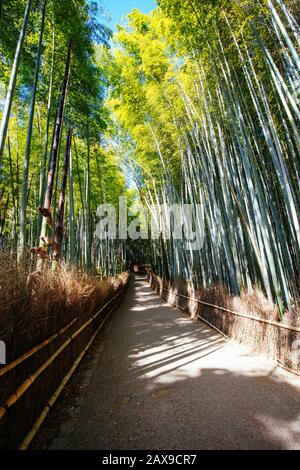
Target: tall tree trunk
x=88 y=247
x=54 y=151
x=59 y=227
x=22 y=245
x=13 y=193
x=78 y=176
x=56 y=182
x=100 y=179
x=41 y=177
x=72 y=252
x=12 y=82
x=44 y=162
x=3 y=220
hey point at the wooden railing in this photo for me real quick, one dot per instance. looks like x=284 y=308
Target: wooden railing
x=254 y=318
x=8 y=419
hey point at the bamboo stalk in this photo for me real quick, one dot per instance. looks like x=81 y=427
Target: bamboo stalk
x=12 y=82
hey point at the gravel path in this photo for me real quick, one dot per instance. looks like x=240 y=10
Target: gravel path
x=157 y=380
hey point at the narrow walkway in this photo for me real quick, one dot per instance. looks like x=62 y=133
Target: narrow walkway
x=161 y=381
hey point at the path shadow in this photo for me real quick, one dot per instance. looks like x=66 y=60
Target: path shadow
x=163 y=381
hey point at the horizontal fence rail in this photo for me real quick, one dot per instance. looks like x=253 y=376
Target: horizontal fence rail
x=30 y=436
x=198 y=316
x=35 y=349
x=13 y=398
x=26 y=384
x=276 y=324
x=224 y=309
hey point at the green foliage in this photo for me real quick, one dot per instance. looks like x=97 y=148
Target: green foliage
x=197 y=101
x=203 y=94
x=66 y=21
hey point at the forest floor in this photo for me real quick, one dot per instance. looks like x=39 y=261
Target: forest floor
x=155 y=379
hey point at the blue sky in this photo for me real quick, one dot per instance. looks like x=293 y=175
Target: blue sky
x=119 y=8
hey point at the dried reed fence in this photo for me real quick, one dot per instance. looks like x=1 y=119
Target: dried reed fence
x=247 y=319
x=62 y=312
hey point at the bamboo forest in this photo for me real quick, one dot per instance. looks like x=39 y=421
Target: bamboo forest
x=180 y=119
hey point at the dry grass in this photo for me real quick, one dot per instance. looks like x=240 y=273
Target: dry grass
x=36 y=305
x=259 y=336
